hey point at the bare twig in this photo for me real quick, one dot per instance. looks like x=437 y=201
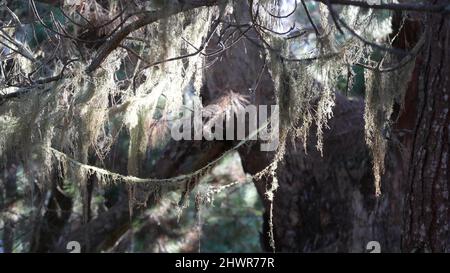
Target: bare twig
x=310 y=19
x=196 y=52
x=281 y=16
x=18 y=47
x=24 y=91
x=149 y=17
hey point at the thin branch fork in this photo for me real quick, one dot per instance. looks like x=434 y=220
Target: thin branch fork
x=196 y=52
x=15 y=46
x=27 y=89
x=149 y=17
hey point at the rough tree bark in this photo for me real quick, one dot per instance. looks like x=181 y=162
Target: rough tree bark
x=327 y=204
x=323 y=203
x=425 y=119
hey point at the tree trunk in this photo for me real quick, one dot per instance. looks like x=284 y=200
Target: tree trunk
x=322 y=203
x=327 y=203
x=425 y=156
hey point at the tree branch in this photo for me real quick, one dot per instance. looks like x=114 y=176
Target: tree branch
x=57 y=3
x=442 y=8
x=150 y=17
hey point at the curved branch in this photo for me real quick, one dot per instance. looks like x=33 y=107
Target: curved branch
x=150 y=17
x=443 y=8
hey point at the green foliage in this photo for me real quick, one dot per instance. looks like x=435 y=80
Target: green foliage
x=234 y=222
x=231 y=224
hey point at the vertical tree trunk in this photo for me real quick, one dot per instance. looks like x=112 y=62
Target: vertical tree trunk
x=323 y=203
x=327 y=203
x=426 y=149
